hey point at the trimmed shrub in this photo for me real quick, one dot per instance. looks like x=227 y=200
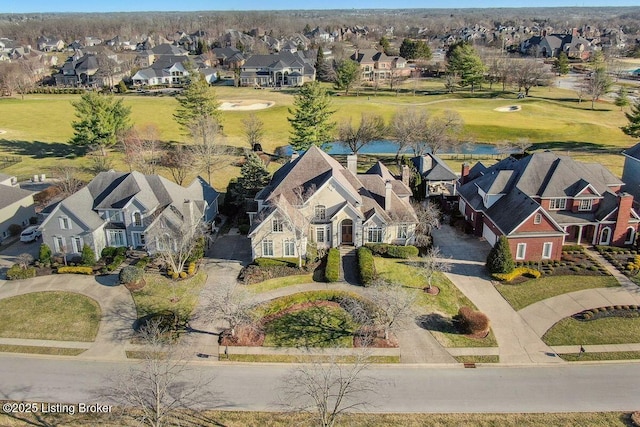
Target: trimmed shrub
x=108 y=252
x=256 y=274
x=472 y=322
x=88 y=256
x=16 y=272
x=517 y=272
x=191 y=269
x=332 y=270
x=44 y=256
x=366 y=265
x=273 y=262
x=244 y=228
x=183 y=275
x=403 y=252
x=378 y=248
x=198 y=251
x=75 y=270
x=130 y=274
x=572 y=248
x=499 y=259
x=14 y=229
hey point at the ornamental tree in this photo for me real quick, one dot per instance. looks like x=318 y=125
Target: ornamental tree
x=499 y=259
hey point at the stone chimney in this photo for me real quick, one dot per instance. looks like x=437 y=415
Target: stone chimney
x=387 y=195
x=464 y=173
x=625 y=204
x=352 y=163
x=406 y=175
x=187 y=211
x=294 y=155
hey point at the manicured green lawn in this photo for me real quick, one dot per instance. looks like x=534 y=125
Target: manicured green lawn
x=33 y=349
x=492 y=358
x=162 y=294
x=595 y=356
x=280 y=282
x=531 y=291
x=61 y=316
x=316 y=326
x=611 y=330
x=288 y=358
x=439 y=309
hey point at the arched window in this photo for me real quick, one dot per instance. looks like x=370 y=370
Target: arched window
x=137 y=219
x=320 y=212
x=605 y=236
x=630 y=236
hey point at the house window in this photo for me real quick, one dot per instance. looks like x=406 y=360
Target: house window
x=267 y=247
x=137 y=219
x=320 y=235
x=585 y=205
x=546 y=250
x=630 y=236
x=374 y=235
x=65 y=224
x=116 y=238
x=521 y=251
x=114 y=216
x=537 y=219
x=276 y=225
x=58 y=244
x=403 y=231
x=558 y=204
x=320 y=212
x=289 y=248
x=76 y=243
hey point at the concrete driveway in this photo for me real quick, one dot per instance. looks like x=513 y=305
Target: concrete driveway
x=8 y=254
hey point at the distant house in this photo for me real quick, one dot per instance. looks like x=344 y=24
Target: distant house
x=550 y=46
x=543 y=201
x=437 y=178
x=377 y=66
x=228 y=57
x=344 y=207
x=16 y=205
x=277 y=70
x=121 y=209
x=170 y=70
x=50 y=44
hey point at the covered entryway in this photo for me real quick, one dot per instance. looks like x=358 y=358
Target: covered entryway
x=346 y=232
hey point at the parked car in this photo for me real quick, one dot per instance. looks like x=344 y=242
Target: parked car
x=30 y=234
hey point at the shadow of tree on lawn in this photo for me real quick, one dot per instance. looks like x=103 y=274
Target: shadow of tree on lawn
x=40 y=150
x=438 y=323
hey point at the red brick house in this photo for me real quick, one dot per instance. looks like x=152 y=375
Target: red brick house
x=543 y=201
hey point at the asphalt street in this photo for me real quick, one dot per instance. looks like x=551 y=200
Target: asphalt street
x=402 y=389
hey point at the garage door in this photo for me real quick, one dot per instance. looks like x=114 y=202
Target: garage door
x=488 y=235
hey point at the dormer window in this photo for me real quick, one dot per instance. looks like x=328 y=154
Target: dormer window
x=320 y=212
x=557 y=204
x=137 y=219
x=585 y=205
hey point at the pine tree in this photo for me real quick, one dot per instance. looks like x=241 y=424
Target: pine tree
x=622 y=100
x=385 y=45
x=253 y=177
x=633 y=129
x=324 y=70
x=464 y=62
x=347 y=75
x=311 y=117
x=196 y=100
x=562 y=64
x=499 y=259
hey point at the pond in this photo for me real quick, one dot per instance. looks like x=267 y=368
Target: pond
x=389 y=147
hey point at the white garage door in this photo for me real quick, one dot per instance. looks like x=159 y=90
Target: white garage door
x=488 y=235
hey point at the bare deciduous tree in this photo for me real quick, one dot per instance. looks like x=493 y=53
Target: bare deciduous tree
x=393 y=305
x=142 y=148
x=161 y=383
x=208 y=151
x=528 y=73
x=66 y=178
x=431 y=262
x=230 y=302
x=296 y=222
x=328 y=390
x=253 y=130
x=423 y=132
x=179 y=161
x=24 y=260
x=371 y=128
x=428 y=218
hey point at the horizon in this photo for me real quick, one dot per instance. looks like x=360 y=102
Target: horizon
x=120 y=6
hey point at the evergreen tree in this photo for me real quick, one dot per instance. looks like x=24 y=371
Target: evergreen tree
x=324 y=70
x=633 y=128
x=101 y=118
x=499 y=259
x=311 y=117
x=253 y=177
x=464 y=62
x=622 y=100
x=88 y=255
x=196 y=100
x=347 y=75
x=561 y=65
x=385 y=45
x=414 y=49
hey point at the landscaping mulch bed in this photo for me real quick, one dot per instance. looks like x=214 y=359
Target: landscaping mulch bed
x=610 y=311
x=572 y=263
x=625 y=260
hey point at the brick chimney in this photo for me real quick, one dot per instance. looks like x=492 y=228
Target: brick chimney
x=625 y=204
x=387 y=195
x=406 y=175
x=464 y=173
x=352 y=163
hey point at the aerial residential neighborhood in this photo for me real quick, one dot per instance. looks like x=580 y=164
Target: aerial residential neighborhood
x=379 y=217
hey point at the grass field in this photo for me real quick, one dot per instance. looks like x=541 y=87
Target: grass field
x=61 y=316
x=120 y=418
x=610 y=330
x=33 y=349
x=531 y=291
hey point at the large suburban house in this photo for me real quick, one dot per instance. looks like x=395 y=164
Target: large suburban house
x=631 y=171
x=16 y=205
x=316 y=198
x=122 y=209
x=543 y=201
x=377 y=66
x=551 y=45
x=283 y=69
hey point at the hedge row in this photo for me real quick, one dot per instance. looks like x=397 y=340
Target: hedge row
x=256 y=274
x=272 y=262
x=366 y=265
x=16 y=272
x=332 y=270
x=472 y=322
x=393 y=251
x=75 y=270
x=572 y=248
x=517 y=272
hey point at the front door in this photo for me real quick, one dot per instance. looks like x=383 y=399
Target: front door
x=347 y=232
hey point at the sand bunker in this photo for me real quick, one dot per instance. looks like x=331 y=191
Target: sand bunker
x=2 y=131
x=508 y=109
x=245 y=105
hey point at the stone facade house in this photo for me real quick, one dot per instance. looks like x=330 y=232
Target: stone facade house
x=122 y=209
x=543 y=201
x=340 y=205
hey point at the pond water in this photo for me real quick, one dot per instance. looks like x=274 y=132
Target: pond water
x=389 y=147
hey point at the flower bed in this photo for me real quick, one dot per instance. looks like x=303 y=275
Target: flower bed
x=609 y=311
x=627 y=261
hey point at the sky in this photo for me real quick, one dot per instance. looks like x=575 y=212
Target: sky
x=34 y=6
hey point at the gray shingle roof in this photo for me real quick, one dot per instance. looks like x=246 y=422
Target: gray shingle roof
x=10 y=195
x=633 y=152
x=432 y=168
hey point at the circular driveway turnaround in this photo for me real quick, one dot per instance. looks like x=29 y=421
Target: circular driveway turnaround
x=118 y=310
